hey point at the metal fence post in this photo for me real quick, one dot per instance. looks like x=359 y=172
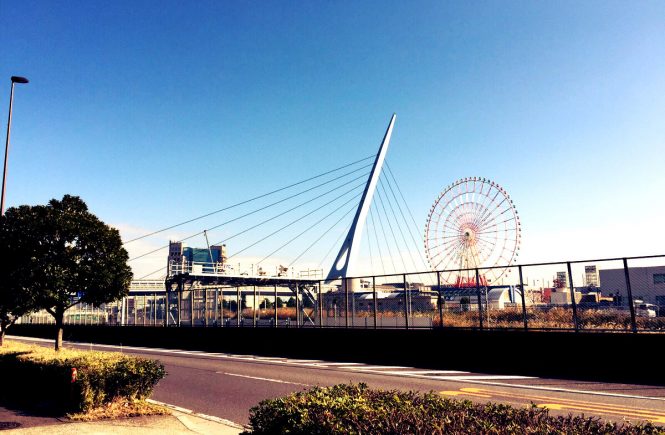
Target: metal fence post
x=275 y=309
x=480 y=302
x=524 y=316
x=191 y=305
x=298 y=306
x=346 y=300
x=205 y=307
x=320 y=306
x=406 y=302
x=576 y=319
x=629 y=294
x=238 y=308
x=438 y=288
x=254 y=309
x=215 y=309
x=221 y=308
x=181 y=288
x=167 y=303
x=375 y=301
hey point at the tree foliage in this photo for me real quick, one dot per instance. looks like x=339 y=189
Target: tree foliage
x=65 y=255
x=17 y=268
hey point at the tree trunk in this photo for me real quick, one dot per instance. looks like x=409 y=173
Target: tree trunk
x=59 y=316
x=2 y=336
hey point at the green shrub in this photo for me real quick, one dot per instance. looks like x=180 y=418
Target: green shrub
x=42 y=378
x=356 y=409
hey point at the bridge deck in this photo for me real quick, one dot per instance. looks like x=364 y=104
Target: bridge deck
x=211 y=279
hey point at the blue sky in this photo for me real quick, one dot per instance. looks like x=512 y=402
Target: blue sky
x=157 y=111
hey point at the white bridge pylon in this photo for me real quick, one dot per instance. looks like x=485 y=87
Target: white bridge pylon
x=345 y=263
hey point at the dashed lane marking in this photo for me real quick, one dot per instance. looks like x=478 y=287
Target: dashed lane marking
x=278 y=381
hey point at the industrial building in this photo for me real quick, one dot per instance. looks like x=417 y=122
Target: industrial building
x=646 y=283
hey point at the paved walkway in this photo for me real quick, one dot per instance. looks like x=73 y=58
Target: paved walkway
x=17 y=422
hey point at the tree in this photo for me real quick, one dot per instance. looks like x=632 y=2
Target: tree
x=66 y=256
x=16 y=268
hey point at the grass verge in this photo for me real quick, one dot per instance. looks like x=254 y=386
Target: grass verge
x=75 y=381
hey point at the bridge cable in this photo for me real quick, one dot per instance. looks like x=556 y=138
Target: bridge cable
x=284 y=227
x=408 y=209
x=246 y=201
x=261 y=209
x=369 y=245
x=310 y=227
x=294 y=208
x=295 y=221
x=376 y=236
x=390 y=226
x=397 y=223
x=342 y=234
x=385 y=237
x=322 y=235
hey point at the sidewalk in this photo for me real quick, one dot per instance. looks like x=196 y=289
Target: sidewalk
x=16 y=422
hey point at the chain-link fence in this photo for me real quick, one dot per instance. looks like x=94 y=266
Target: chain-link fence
x=623 y=295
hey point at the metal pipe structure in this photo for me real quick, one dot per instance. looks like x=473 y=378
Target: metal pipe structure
x=629 y=294
x=14 y=79
x=576 y=320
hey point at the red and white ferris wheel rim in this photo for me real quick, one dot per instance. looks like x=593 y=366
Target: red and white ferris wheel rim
x=473 y=224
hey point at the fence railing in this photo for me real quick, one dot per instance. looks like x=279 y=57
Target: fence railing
x=618 y=294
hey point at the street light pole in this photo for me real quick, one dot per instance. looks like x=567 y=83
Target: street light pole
x=14 y=80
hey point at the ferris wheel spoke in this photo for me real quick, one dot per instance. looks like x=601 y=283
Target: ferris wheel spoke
x=447 y=250
x=449 y=258
x=487 y=212
x=497 y=207
x=494 y=225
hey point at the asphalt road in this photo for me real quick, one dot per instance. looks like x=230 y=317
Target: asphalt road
x=227 y=386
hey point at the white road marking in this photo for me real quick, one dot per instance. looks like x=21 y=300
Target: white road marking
x=279 y=381
x=418 y=372
x=482 y=377
x=326 y=364
x=377 y=367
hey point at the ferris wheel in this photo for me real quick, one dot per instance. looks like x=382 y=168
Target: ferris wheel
x=472 y=225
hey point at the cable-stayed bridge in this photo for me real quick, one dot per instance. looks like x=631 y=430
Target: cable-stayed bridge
x=361 y=198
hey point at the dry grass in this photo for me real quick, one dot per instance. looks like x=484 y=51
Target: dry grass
x=41 y=353
x=120 y=408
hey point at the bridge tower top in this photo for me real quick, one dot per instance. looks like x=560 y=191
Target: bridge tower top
x=345 y=262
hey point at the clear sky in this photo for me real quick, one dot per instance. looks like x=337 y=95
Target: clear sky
x=158 y=111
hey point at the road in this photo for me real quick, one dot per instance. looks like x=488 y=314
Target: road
x=227 y=386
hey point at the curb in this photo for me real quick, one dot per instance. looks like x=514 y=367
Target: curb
x=198 y=414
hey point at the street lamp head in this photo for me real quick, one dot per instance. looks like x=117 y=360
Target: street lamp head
x=16 y=79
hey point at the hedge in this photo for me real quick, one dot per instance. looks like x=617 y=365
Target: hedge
x=356 y=409
x=42 y=378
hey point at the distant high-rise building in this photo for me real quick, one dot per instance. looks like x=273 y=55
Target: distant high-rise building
x=591 y=276
x=561 y=280
x=182 y=258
